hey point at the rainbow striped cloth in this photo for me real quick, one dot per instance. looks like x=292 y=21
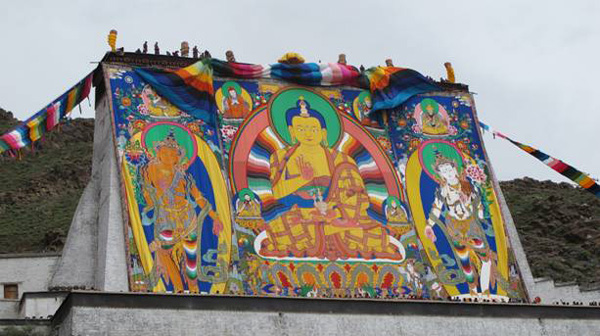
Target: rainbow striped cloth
x=584 y=180
x=191 y=89
x=313 y=74
x=391 y=86
x=45 y=120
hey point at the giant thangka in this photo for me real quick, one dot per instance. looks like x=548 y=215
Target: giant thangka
x=290 y=190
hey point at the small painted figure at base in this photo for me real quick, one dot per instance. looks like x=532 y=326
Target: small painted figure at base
x=247 y=210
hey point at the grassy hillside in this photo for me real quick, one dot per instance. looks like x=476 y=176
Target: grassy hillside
x=559 y=224
x=40 y=191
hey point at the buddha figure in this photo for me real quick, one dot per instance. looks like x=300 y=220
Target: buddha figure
x=234 y=105
x=363 y=107
x=459 y=205
x=247 y=210
x=176 y=209
x=322 y=198
x=432 y=121
x=394 y=212
x=397 y=218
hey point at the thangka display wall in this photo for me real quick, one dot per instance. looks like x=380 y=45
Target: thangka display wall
x=294 y=191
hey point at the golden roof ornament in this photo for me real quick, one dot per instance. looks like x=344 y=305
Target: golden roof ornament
x=450 y=72
x=291 y=58
x=112 y=40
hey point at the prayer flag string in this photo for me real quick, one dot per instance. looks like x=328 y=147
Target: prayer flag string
x=570 y=172
x=49 y=117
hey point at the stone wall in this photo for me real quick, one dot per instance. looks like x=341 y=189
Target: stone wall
x=94 y=254
x=114 y=314
x=9 y=309
x=31 y=272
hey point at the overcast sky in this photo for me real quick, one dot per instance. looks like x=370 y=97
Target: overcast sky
x=532 y=64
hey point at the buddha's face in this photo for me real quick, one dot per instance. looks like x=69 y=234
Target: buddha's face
x=232 y=93
x=307 y=130
x=168 y=155
x=448 y=172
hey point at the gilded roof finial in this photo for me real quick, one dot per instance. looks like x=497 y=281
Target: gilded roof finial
x=112 y=40
x=450 y=72
x=291 y=58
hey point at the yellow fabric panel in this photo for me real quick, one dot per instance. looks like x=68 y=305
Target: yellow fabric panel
x=413 y=189
x=501 y=248
x=223 y=203
x=135 y=223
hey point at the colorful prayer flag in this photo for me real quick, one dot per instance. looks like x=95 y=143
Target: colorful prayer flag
x=568 y=171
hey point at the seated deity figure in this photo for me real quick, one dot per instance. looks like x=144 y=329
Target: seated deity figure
x=431 y=119
x=459 y=205
x=156 y=105
x=234 y=105
x=364 y=107
x=322 y=196
x=247 y=210
x=395 y=213
x=397 y=219
x=177 y=209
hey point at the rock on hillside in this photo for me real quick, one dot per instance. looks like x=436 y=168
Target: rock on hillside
x=559 y=226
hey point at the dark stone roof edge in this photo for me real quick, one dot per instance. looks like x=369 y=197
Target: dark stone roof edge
x=30 y=255
x=24 y=322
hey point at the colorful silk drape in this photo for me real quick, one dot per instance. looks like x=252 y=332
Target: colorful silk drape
x=389 y=86
x=191 y=89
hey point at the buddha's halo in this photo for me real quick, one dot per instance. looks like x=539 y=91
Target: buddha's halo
x=158 y=132
x=287 y=98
